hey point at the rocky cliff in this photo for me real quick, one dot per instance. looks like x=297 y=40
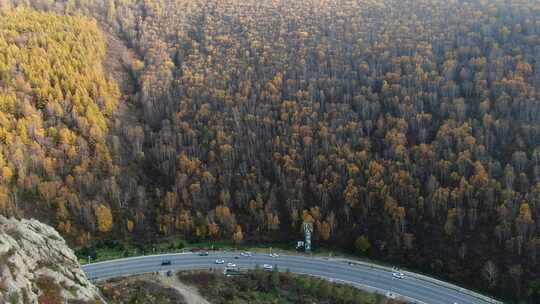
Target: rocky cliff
x=37 y=266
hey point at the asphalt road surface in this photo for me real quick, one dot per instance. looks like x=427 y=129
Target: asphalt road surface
x=414 y=289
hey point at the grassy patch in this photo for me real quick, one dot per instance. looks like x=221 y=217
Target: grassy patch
x=14 y=298
x=110 y=250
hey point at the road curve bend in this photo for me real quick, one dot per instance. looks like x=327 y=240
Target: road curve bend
x=414 y=288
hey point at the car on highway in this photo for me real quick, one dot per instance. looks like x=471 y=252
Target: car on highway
x=231 y=265
x=204 y=253
x=274 y=255
x=166 y=263
x=398 y=275
x=246 y=254
x=220 y=261
x=268 y=267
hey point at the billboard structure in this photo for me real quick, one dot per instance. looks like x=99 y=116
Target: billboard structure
x=308 y=231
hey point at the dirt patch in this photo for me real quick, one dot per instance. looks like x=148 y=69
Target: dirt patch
x=191 y=294
x=141 y=289
x=151 y=288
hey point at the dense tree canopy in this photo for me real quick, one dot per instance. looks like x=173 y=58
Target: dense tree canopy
x=55 y=105
x=404 y=130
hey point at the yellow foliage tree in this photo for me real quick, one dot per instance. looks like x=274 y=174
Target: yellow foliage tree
x=7 y=173
x=213 y=229
x=238 y=235
x=104 y=218
x=130 y=225
x=324 y=230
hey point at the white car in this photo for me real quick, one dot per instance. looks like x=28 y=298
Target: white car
x=398 y=275
x=268 y=267
x=219 y=261
x=274 y=255
x=246 y=254
x=231 y=265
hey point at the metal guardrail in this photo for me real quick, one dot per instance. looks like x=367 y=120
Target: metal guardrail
x=197 y=267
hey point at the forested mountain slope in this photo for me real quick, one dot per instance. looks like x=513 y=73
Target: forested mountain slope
x=408 y=130
x=55 y=106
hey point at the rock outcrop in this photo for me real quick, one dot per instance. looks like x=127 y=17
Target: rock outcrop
x=37 y=266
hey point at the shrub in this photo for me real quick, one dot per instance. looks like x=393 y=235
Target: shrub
x=14 y=298
x=50 y=291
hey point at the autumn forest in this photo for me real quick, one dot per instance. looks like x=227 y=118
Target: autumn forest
x=407 y=131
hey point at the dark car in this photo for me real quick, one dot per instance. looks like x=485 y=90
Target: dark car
x=205 y=253
x=165 y=263
x=236 y=257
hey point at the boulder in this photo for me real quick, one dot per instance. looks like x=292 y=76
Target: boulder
x=37 y=266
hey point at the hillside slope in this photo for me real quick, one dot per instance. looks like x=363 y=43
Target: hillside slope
x=57 y=158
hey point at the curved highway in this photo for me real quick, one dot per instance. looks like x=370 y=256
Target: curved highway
x=415 y=288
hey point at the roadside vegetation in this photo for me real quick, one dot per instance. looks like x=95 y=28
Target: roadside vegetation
x=139 y=291
x=261 y=287
x=110 y=249
x=253 y=287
